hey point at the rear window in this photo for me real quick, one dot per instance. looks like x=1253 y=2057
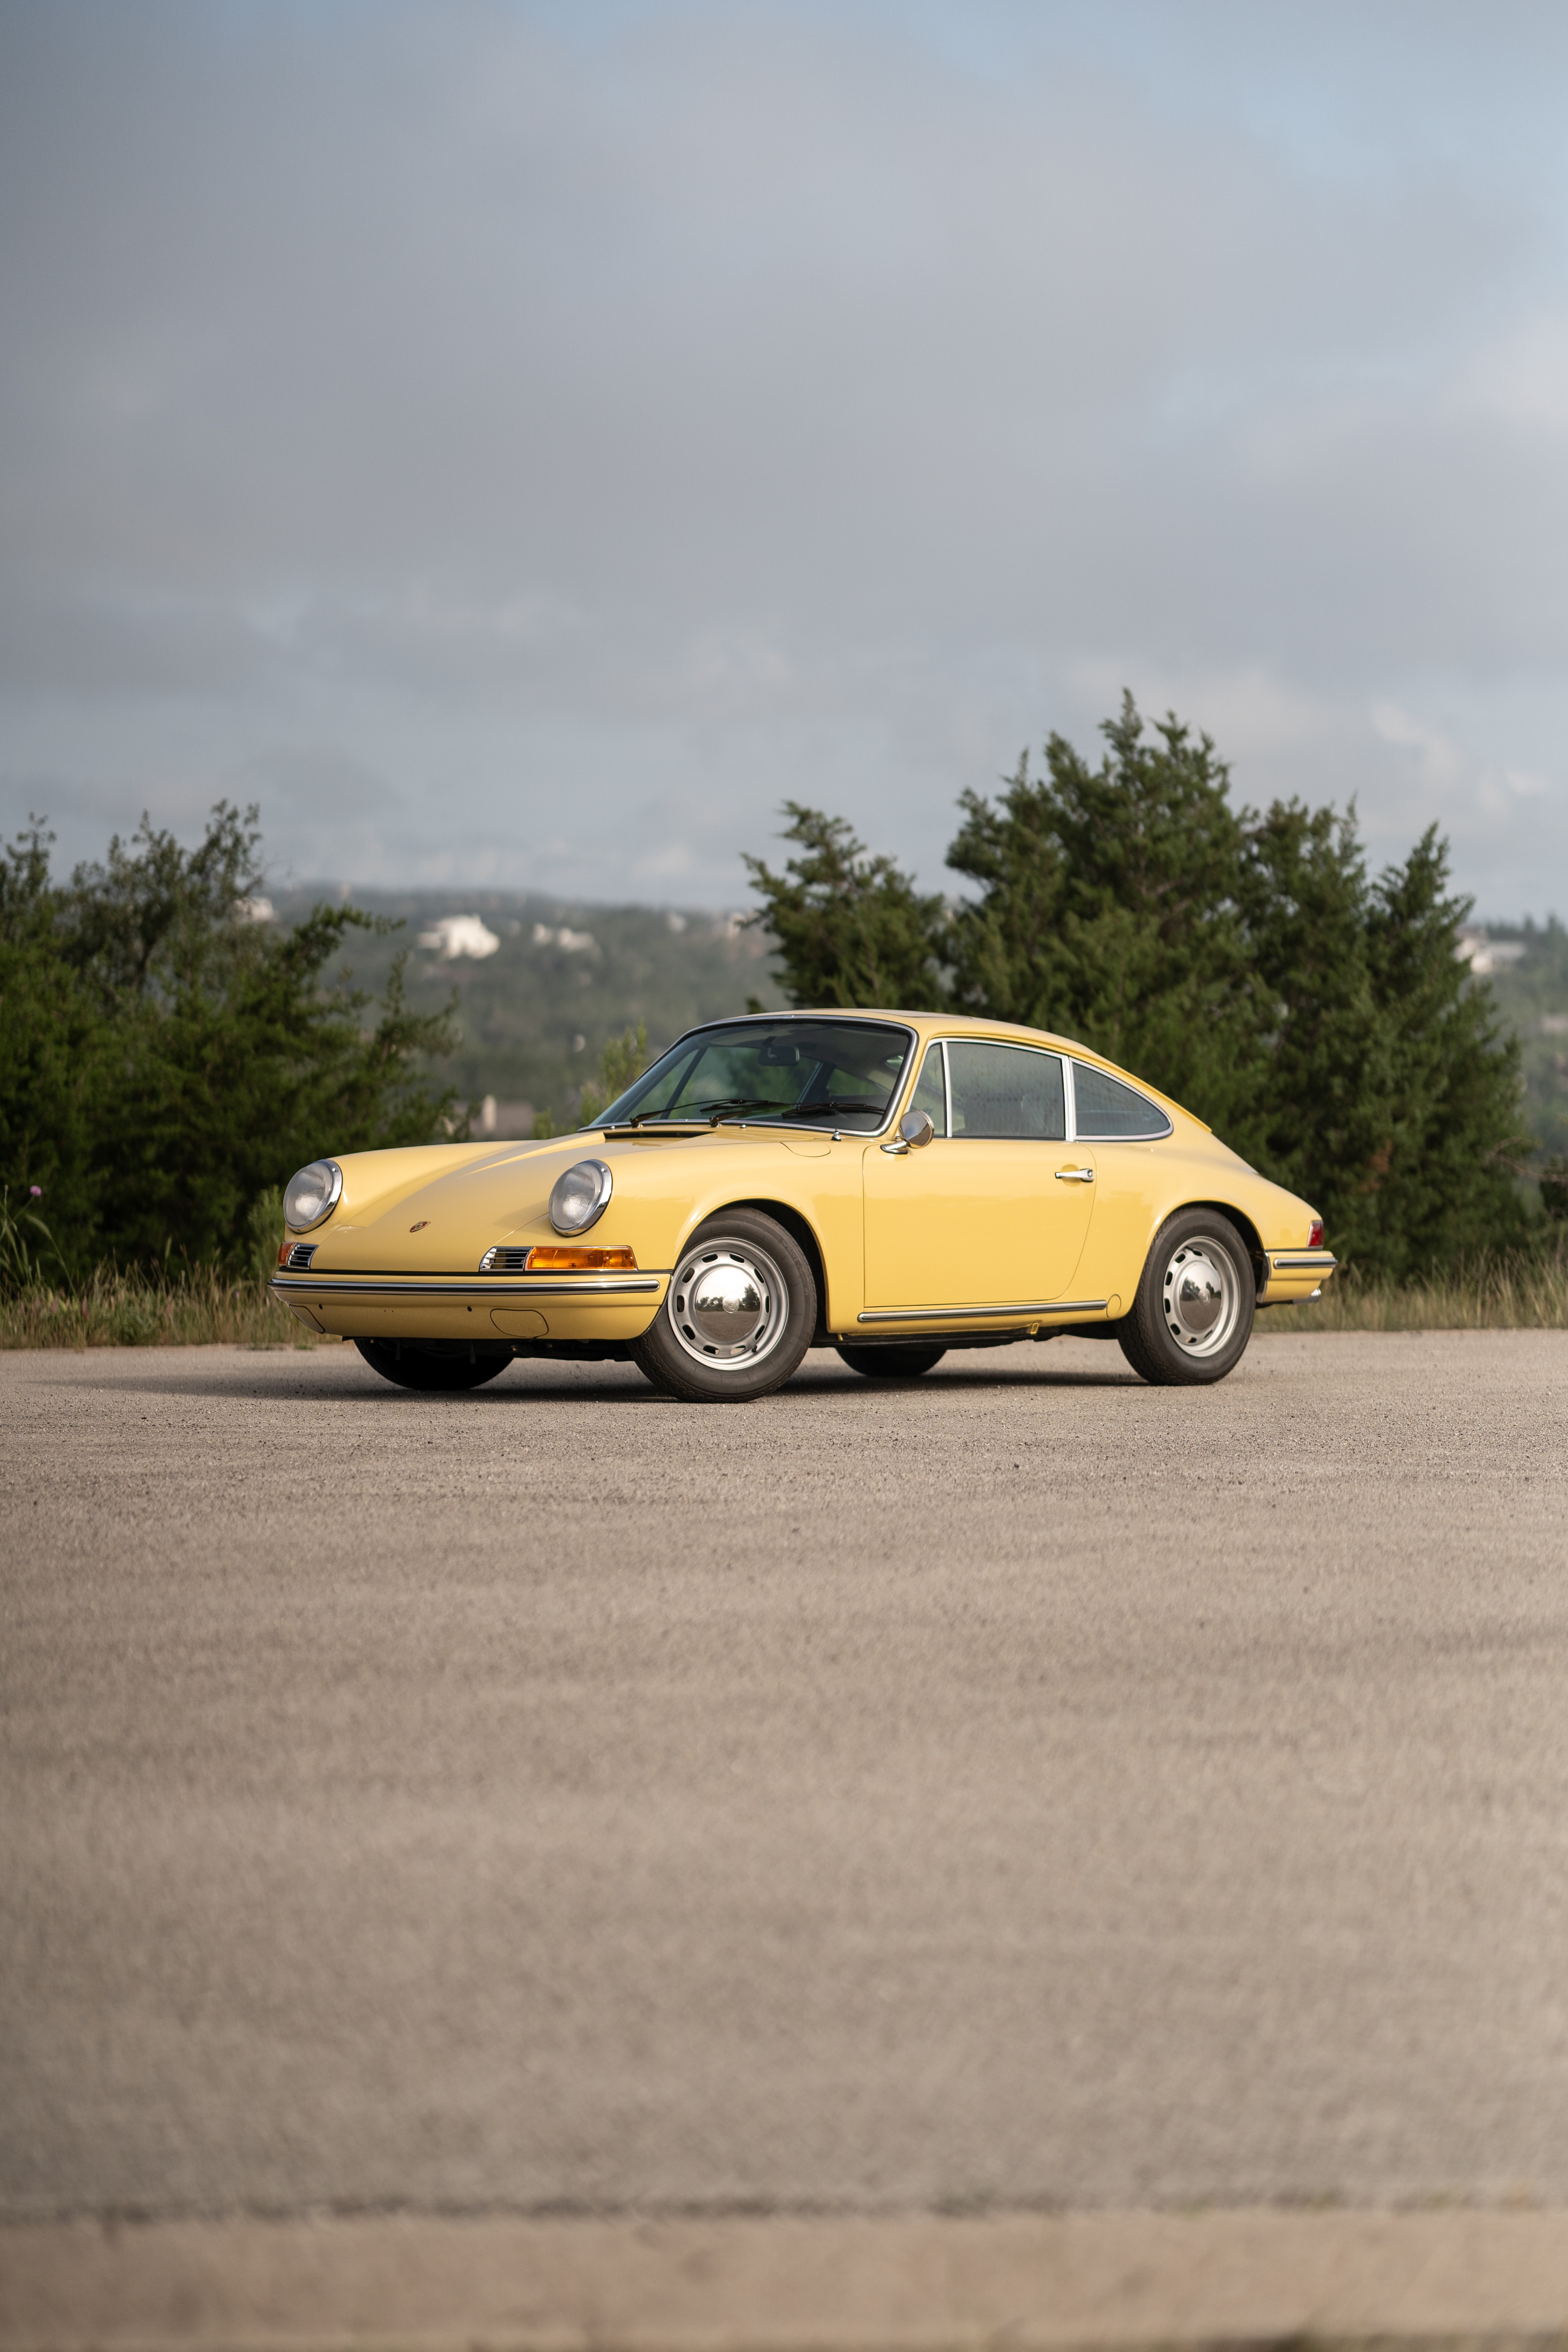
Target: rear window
x=1107 y=1109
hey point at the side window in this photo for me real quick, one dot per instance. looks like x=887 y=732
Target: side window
x=930 y=1094
x=1107 y=1109
x=1006 y=1090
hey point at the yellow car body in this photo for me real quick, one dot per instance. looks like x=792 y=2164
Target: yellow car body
x=962 y=1237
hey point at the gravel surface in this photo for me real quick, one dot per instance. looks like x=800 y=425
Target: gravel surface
x=1020 y=1786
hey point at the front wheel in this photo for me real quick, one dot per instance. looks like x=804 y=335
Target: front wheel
x=1192 y=1317
x=890 y=1363
x=432 y=1367
x=738 y=1316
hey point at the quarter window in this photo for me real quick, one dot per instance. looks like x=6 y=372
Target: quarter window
x=931 y=1093
x=1006 y=1090
x=1107 y=1111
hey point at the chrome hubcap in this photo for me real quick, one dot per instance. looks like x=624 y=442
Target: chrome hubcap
x=728 y=1305
x=1201 y=1296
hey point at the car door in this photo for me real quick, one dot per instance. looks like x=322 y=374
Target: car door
x=996 y=1209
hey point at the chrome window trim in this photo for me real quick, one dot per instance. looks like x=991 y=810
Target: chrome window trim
x=977 y=1314
x=654 y=1126
x=1069 y=1081
x=1011 y=1046
x=694 y=1127
x=937 y=1045
x=1152 y=1135
x=802 y=1127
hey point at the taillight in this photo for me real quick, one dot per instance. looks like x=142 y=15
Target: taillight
x=1315 y=1234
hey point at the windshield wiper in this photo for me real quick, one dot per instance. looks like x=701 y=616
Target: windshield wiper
x=838 y=1103
x=714 y=1111
x=707 y=1115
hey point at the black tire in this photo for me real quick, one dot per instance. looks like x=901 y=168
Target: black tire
x=1192 y=1317
x=440 y=1368
x=890 y=1363
x=755 y=1272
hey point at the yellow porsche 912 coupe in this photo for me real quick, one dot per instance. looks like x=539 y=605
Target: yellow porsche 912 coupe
x=889 y=1184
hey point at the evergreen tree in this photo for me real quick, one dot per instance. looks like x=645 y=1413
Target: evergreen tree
x=1442 y=1182
x=1322 y=1100
x=1109 y=910
x=623 y=1059
x=1323 y=1023
x=50 y=1042
x=167 y=1059
x=851 y=929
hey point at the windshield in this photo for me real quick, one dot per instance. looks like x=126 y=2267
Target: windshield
x=840 y=1073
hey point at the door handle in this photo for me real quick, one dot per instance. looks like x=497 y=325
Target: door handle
x=1075 y=1175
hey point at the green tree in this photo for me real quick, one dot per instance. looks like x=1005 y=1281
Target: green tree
x=623 y=1059
x=1109 y=910
x=1443 y=1181
x=213 y=1052
x=51 y=1043
x=851 y=929
x=1319 y=1062
x=1245 y=965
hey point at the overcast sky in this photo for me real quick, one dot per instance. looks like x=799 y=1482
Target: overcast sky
x=520 y=445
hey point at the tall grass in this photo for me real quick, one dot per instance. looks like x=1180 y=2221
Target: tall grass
x=41 y=1306
x=115 y=1309
x=1526 y=1291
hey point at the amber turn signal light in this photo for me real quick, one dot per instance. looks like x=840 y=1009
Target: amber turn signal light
x=1315 y=1234
x=582 y=1261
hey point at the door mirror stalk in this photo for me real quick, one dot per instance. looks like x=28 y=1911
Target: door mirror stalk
x=915 y=1131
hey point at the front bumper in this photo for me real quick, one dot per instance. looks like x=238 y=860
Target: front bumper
x=473 y=1307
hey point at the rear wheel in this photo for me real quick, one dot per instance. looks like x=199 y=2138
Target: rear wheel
x=1191 y=1317
x=430 y=1365
x=738 y=1316
x=890 y=1363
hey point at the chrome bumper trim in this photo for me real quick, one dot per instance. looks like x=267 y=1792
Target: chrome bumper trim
x=983 y=1314
x=1303 y=1262
x=588 y=1288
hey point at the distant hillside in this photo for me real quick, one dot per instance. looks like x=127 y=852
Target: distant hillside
x=537 y=1007
x=1528 y=969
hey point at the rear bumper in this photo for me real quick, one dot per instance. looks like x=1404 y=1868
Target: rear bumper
x=1294 y=1275
x=459 y=1306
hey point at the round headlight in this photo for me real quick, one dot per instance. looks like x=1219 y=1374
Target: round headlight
x=580 y=1196
x=313 y=1194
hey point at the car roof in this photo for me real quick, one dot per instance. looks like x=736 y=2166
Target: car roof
x=963 y=1025
x=949 y=1024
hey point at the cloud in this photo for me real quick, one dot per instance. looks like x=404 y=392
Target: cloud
x=1471 y=799
x=587 y=428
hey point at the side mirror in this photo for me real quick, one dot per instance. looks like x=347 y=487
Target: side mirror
x=915 y=1130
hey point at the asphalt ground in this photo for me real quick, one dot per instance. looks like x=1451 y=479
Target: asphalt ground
x=1021 y=1787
